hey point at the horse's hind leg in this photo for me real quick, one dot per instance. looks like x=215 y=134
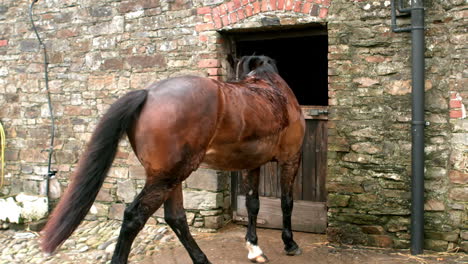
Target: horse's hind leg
x=174 y=214
x=250 y=181
x=288 y=174
x=135 y=216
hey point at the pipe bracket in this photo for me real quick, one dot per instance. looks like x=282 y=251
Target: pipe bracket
x=52 y=173
x=396 y=29
x=420 y=123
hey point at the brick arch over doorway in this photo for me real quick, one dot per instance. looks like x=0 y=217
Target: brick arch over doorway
x=232 y=12
x=238 y=13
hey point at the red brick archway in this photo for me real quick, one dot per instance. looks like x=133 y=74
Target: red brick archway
x=226 y=14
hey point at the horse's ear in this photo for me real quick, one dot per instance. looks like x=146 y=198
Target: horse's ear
x=272 y=63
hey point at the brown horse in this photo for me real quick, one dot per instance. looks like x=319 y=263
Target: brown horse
x=175 y=126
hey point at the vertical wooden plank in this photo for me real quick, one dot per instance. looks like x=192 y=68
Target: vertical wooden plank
x=271 y=179
x=309 y=162
x=261 y=186
x=306 y=181
x=313 y=136
x=239 y=186
x=236 y=181
x=266 y=180
x=234 y=191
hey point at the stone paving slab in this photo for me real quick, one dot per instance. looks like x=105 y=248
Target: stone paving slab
x=93 y=242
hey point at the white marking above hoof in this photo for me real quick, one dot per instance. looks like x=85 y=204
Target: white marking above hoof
x=255 y=253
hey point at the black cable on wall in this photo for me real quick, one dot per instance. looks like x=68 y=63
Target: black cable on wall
x=50 y=173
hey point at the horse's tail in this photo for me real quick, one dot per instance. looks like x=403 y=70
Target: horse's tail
x=92 y=169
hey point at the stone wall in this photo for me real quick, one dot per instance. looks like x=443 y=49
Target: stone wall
x=100 y=50
x=370 y=140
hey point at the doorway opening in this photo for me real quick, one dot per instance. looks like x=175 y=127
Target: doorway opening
x=300 y=55
x=301 y=58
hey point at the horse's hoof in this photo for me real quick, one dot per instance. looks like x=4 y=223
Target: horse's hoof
x=259 y=259
x=294 y=252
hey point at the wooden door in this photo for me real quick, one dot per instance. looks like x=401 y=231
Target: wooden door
x=310 y=212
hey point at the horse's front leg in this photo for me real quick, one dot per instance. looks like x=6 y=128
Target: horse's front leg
x=288 y=174
x=250 y=181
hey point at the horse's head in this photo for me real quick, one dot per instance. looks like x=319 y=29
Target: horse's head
x=255 y=65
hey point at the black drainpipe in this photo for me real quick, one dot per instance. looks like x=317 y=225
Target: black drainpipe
x=417 y=123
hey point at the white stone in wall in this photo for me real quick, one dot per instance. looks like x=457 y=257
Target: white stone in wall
x=55 y=190
x=135 y=14
x=126 y=191
x=10 y=211
x=202 y=200
x=3 y=71
x=33 y=207
x=116 y=26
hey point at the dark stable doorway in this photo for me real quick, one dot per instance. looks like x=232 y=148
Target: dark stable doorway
x=301 y=57
x=301 y=61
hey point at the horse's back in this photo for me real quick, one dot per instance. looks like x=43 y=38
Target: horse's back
x=228 y=126
x=176 y=123
x=256 y=122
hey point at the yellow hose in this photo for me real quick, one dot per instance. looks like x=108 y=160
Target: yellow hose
x=2 y=154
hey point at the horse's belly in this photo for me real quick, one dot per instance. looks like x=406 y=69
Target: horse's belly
x=239 y=156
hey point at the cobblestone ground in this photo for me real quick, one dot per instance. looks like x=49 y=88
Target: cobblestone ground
x=92 y=242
